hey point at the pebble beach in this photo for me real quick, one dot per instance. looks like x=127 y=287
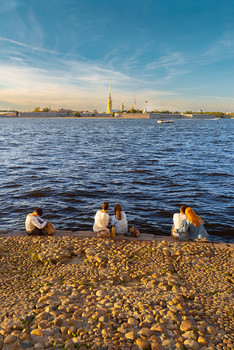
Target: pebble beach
x=75 y=291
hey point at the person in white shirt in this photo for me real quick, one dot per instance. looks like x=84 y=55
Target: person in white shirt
x=34 y=224
x=101 y=221
x=119 y=220
x=178 y=218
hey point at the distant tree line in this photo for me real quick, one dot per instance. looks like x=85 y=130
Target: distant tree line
x=132 y=110
x=217 y=114
x=37 y=109
x=164 y=112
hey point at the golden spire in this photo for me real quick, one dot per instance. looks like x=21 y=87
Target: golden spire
x=109 y=102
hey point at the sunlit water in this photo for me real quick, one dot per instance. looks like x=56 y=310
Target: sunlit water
x=70 y=166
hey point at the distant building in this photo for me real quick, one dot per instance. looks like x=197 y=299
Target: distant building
x=109 y=102
x=122 y=107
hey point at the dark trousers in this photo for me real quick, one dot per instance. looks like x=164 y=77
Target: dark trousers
x=36 y=232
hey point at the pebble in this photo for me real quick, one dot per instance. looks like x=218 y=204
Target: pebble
x=9 y=339
x=191 y=344
x=94 y=293
x=143 y=344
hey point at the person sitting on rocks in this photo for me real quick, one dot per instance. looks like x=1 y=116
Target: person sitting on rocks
x=192 y=227
x=119 y=221
x=178 y=218
x=101 y=221
x=34 y=224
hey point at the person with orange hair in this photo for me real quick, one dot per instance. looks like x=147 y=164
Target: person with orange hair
x=193 y=227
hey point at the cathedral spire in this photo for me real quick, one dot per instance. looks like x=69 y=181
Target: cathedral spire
x=109 y=102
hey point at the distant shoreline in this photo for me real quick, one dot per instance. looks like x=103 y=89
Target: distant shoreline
x=150 y=116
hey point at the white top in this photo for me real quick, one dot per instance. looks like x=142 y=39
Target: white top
x=121 y=226
x=34 y=221
x=101 y=220
x=178 y=219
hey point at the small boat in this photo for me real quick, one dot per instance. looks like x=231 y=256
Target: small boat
x=164 y=121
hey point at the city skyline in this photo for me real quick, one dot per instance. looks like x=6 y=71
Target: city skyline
x=176 y=55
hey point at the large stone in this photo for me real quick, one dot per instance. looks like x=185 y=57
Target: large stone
x=100 y=293
x=149 y=319
x=191 y=344
x=13 y=346
x=143 y=344
x=77 y=314
x=37 y=332
x=168 y=344
x=43 y=298
x=145 y=332
x=190 y=335
x=9 y=339
x=44 y=324
x=39 y=346
x=58 y=322
x=69 y=344
x=159 y=327
x=157 y=346
x=202 y=341
x=131 y=335
x=27 y=319
x=26 y=344
x=133 y=322
x=187 y=325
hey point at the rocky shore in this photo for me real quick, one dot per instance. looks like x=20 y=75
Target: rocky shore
x=74 y=291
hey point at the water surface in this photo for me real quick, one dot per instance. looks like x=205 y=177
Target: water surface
x=70 y=166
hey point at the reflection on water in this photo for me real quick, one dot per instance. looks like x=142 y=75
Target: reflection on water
x=70 y=166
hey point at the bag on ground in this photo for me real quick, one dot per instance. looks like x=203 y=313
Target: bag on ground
x=103 y=233
x=134 y=231
x=49 y=228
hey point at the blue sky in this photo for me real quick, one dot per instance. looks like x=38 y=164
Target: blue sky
x=176 y=54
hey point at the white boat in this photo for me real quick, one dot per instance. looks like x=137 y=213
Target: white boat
x=164 y=121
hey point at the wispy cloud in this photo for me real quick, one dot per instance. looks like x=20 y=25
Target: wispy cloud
x=171 y=60
x=169 y=66
x=28 y=47
x=223 y=47
x=33 y=75
x=69 y=83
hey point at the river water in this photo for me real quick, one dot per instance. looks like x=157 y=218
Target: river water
x=70 y=166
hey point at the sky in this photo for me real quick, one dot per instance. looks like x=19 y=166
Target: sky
x=175 y=54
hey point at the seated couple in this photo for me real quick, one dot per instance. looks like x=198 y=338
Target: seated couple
x=188 y=225
x=36 y=226
x=119 y=222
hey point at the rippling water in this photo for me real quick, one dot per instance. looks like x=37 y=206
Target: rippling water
x=70 y=166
